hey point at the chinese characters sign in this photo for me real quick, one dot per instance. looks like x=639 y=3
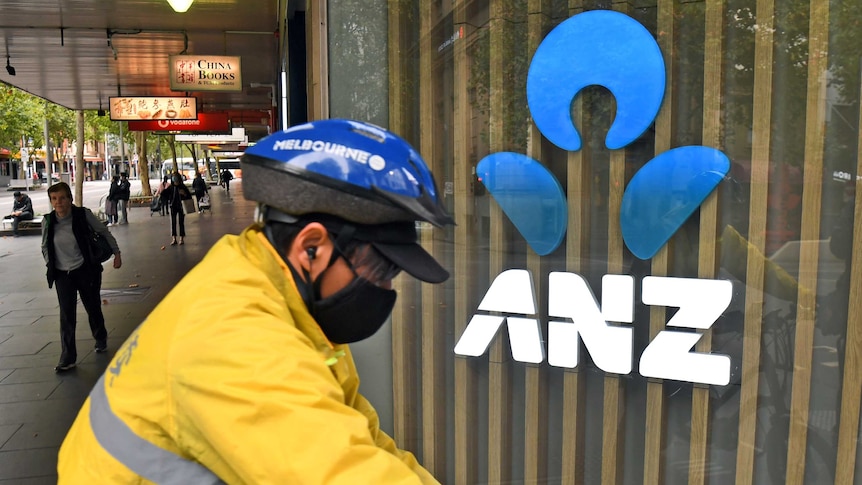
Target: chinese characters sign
x=153 y=108
x=205 y=73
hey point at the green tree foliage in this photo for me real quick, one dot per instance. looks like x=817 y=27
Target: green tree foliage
x=21 y=115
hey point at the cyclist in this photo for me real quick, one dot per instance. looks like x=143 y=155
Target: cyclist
x=254 y=382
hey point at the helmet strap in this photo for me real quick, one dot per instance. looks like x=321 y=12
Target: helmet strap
x=310 y=290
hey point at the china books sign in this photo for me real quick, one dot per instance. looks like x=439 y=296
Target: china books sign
x=205 y=73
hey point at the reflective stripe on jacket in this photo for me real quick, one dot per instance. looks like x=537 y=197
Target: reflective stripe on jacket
x=230 y=374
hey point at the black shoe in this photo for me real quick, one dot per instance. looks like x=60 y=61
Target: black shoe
x=101 y=347
x=62 y=367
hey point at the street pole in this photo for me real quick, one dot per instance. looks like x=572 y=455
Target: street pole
x=122 y=150
x=49 y=154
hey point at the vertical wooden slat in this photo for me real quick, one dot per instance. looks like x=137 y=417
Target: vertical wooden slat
x=404 y=386
x=433 y=378
x=466 y=398
x=656 y=405
x=707 y=250
x=536 y=385
x=577 y=252
x=761 y=141
x=318 y=60
x=499 y=412
x=815 y=115
x=852 y=381
x=613 y=419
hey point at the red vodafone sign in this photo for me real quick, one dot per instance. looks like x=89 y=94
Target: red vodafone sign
x=209 y=122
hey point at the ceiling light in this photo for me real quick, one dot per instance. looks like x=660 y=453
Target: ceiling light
x=9 y=68
x=180 y=6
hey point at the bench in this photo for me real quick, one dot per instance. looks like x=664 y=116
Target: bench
x=34 y=223
x=25 y=184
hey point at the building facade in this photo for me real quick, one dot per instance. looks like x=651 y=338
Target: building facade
x=588 y=382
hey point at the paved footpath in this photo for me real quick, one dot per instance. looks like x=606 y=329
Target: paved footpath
x=37 y=406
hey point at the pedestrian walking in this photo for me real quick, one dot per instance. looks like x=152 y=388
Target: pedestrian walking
x=199 y=186
x=175 y=194
x=112 y=200
x=72 y=270
x=123 y=197
x=226 y=177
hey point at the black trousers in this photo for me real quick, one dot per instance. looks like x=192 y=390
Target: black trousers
x=178 y=214
x=27 y=216
x=69 y=284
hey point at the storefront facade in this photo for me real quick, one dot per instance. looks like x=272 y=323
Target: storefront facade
x=751 y=229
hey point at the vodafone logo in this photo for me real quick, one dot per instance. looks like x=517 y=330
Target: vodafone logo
x=163 y=123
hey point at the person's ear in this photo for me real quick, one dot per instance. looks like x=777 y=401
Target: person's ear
x=311 y=246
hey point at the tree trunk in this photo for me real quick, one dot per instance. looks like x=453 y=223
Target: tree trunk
x=143 y=166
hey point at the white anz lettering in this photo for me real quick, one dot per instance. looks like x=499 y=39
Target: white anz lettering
x=569 y=296
x=700 y=301
x=511 y=292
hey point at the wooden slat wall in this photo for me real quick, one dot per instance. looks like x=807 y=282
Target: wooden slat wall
x=656 y=405
x=405 y=389
x=501 y=431
x=761 y=143
x=852 y=382
x=815 y=120
x=466 y=242
x=433 y=353
x=708 y=250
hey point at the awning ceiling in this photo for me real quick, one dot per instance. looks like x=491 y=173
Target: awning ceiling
x=78 y=53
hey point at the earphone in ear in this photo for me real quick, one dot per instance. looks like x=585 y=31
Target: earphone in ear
x=312 y=252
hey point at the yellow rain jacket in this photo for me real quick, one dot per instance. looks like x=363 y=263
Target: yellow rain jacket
x=231 y=372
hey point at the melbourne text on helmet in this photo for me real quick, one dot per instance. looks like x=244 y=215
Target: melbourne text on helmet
x=338 y=149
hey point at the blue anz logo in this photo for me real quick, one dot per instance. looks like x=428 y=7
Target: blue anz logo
x=608 y=49
x=612 y=50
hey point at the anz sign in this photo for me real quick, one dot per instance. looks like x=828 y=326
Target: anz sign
x=611 y=50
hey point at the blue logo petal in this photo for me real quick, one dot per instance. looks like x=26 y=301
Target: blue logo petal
x=529 y=195
x=603 y=48
x=665 y=192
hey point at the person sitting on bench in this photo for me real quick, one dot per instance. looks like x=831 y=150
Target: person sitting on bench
x=22 y=210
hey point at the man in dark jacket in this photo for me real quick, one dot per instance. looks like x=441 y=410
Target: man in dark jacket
x=226 y=177
x=22 y=210
x=199 y=187
x=123 y=198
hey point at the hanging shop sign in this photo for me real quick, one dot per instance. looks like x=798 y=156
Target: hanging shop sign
x=131 y=108
x=237 y=135
x=205 y=73
x=206 y=123
x=657 y=201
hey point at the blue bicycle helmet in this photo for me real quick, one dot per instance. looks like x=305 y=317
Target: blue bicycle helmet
x=353 y=170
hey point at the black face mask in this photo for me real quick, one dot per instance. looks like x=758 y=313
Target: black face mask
x=355 y=312
x=352 y=314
